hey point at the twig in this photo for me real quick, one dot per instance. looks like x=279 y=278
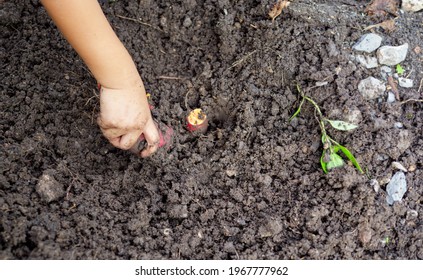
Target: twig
x=186 y=98
x=412 y=100
x=170 y=78
x=242 y=59
x=381 y=24
x=94 y=96
x=408 y=75
x=274 y=51
x=141 y=22
x=394 y=87
x=420 y=86
x=75 y=178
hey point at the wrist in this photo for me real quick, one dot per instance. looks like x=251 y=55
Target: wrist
x=123 y=76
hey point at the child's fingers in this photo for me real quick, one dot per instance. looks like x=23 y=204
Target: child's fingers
x=121 y=137
x=129 y=139
x=152 y=136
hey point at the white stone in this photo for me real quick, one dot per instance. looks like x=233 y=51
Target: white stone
x=368 y=43
x=390 y=55
x=398 y=125
x=396 y=188
x=231 y=173
x=412 y=214
x=386 y=69
x=367 y=61
x=391 y=97
x=405 y=83
x=412 y=5
x=320 y=84
x=375 y=184
x=371 y=88
x=399 y=166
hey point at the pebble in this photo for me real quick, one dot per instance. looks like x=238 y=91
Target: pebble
x=365 y=235
x=390 y=55
x=412 y=5
x=187 y=22
x=412 y=168
x=412 y=214
x=405 y=83
x=385 y=71
x=396 y=188
x=399 y=166
x=375 y=184
x=391 y=97
x=49 y=188
x=398 y=125
x=368 y=43
x=367 y=61
x=320 y=84
x=382 y=157
x=231 y=173
x=371 y=88
x=167 y=231
x=163 y=21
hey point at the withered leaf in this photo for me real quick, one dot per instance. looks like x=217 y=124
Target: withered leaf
x=277 y=8
x=382 y=8
x=388 y=25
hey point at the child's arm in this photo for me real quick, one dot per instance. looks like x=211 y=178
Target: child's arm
x=123 y=104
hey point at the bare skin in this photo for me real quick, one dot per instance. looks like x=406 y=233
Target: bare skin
x=124 y=111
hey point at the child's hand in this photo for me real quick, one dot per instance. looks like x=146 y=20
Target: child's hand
x=124 y=116
x=124 y=111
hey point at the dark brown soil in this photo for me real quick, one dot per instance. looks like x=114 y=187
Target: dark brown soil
x=251 y=187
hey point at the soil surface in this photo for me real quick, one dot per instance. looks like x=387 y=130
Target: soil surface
x=251 y=187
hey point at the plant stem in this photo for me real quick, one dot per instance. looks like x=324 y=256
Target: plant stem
x=315 y=105
x=334 y=142
x=321 y=120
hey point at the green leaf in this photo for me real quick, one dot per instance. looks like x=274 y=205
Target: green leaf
x=298 y=110
x=350 y=156
x=400 y=70
x=323 y=163
x=335 y=161
x=336 y=148
x=341 y=125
